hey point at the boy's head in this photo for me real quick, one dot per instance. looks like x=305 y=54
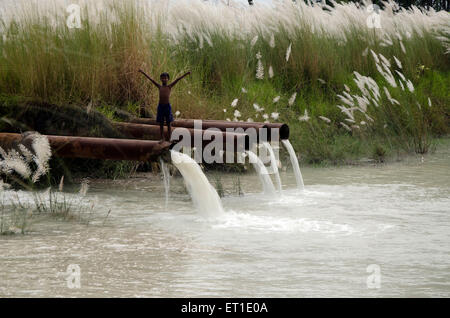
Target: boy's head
x=164 y=77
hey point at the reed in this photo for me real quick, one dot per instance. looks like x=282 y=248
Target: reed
x=20 y=209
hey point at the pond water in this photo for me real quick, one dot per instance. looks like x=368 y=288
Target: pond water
x=361 y=231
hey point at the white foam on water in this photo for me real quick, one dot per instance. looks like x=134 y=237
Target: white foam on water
x=203 y=194
x=273 y=162
x=298 y=174
x=238 y=220
x=262 y=172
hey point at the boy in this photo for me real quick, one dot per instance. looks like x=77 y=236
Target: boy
x=164 y=107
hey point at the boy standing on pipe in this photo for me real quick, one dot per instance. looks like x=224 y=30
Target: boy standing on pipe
x=164 y=112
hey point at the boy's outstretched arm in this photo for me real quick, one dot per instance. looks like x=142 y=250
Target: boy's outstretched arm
x=151 y=79
x=176 y=81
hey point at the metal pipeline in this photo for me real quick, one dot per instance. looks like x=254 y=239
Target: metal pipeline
x=283 y=129
x=146 y=131
x=93 y=148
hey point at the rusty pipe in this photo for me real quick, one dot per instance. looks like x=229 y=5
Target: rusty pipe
x=223 y=125
x=93 y=148
x=283 y=129
x=147 y=131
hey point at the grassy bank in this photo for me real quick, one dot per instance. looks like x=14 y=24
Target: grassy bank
x=293 y=61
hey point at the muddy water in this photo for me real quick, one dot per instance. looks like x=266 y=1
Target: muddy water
x=316 y=242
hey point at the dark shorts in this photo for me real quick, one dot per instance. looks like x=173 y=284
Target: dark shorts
x=164 y=113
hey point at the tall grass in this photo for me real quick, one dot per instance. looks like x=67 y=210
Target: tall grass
x=24 y=166
x=20 y=211
x=310 y=50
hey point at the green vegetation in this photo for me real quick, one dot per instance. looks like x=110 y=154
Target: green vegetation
x=24 y=166
x=95 y=67
x=19 y=214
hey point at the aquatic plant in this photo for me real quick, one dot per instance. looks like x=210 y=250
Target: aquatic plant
x=19 y=210
x=21 y=162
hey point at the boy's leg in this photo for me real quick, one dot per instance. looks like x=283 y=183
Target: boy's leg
x=169 y=121
x=161 y=130
x=160 y=120
x=169 y=131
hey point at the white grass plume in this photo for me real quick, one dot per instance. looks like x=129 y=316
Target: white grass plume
x=26 y=153
x=365 y=52
x=61 y=184
x=397 y=61
x=194 y=18
x=325 y=119
x=260 y=70
x=288 y=52
x=18 y=162
x=258 y=108
x=385 y=60
x=401 y=75
x=253 y=41
x=402 y=47
x=410 y=86
x=42 y=150
x=375 y=57
x=14 y=162
x=346 y=100
x=272 y=41
x=292 y=99
x=305 y=116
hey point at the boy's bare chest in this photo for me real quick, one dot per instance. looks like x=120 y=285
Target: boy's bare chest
x=164 y=91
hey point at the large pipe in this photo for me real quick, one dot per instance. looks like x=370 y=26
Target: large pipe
x=223 y=125
x=93 y=148
x=283 y=129
x=146 y=131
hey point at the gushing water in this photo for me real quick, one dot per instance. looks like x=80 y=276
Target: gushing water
x=295 y=165
x=273 y=163
x=203 y=194
x=263 y=174
x=166 y=175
